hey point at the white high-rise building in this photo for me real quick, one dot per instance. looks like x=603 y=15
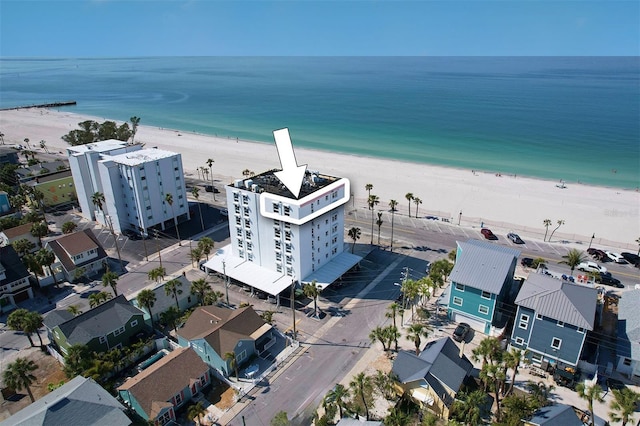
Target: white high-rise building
x=277 y=238
x=134 y=182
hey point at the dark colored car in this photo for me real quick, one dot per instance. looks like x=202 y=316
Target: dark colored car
x=488 y=234
x=632 y=258
x=515 y=238
x=526 y=261
x=599 y=255
x=607 y=279
x=208 y=188
x=132 y=235
x=461 y=332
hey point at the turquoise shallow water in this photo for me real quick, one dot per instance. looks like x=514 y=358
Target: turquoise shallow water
x=575 y=119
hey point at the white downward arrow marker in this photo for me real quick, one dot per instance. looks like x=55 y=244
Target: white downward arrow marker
x=292 y=174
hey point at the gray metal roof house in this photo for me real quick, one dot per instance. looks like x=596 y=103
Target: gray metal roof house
x=628 y=348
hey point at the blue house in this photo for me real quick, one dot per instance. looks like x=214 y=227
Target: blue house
x=552 y=319
x=482 y=285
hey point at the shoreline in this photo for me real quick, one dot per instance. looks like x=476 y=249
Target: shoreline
x=504 y=201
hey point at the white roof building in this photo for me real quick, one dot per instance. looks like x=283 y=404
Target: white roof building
x=277 y=238
x=134 y=182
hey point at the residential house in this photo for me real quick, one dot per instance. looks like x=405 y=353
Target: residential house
x=8 y=155
x=14 y=279
x=213 y=332
x=113 y=324
x=562 y=415
x=79 y=254
x=552 y=319
x=164 y=301
x=482 y=285
x=5 y=205
x=80 y=401
x=28 y=173
x=159 y=391
x=8 y=236
x=628 y=342
x=433 y=378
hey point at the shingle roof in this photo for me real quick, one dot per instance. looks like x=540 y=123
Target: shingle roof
x=156 y=385
x=98 y=321
x=629 y=325
x=17 y=231
x=571 y=303
x=73 y=244
x=483 y=265
x=14 y=269
x=221 y=327
x=79 y=402
x=439 y=363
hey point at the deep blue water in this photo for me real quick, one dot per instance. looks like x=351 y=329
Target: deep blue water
x=573 y=118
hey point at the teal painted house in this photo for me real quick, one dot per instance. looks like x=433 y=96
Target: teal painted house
x=482 y=286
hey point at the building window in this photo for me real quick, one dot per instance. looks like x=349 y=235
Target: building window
x=134 y=323
x=519 y=340
x=580 y=330
x=103 y=339
x=626 y=361
x=539 y=317
x=486 y=295
x=556 y=343
x=484 y=310
x=457 y=301
x=178 y=398
x=165 y=418
x=560 y=323
x=459 y=287
x=524 y=321
x=118 y=331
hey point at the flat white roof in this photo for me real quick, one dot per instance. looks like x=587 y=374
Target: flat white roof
x=102 y=146
x=140 y=157
x=272 y=282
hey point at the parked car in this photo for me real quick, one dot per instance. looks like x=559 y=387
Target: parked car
x=526 y=261
x=591 y=267
x=607 y=279
x=632 y=258
x=616 y=257
x=515 y=238
x=208 y=188
x=132 y=235
x=488 y=234
x=461 y=331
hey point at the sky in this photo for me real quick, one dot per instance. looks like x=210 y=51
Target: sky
x=126 y=28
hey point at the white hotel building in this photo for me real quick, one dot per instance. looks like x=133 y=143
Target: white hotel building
x=277 y=239
x=134 y=182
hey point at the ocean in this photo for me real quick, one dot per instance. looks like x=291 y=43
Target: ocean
x=570 y=118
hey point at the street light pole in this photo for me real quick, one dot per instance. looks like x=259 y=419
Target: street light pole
x=293 y=305
x=115 y=241
x=155 y=231
x=592 y=237
x=459 y=217
x=226 y=284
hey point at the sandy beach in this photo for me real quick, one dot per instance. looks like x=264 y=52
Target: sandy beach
x=502 y=202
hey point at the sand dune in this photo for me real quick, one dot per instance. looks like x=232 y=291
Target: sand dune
x=504 y=203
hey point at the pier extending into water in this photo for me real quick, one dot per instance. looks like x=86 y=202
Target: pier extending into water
x=49 y=105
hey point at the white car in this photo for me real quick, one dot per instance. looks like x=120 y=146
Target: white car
x=591 y=267
x=616 y=257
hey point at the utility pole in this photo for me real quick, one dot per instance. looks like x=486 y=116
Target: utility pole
x=144 y=243
x=293 y=306
x=115 y=241
x=226 y=284
x=155 y=232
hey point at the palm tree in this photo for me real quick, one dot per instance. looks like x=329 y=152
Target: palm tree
x=372 y=202
x=231 y=359
x=156 y=274
x=195 y=192
x=513 y=360
x=18 y=375
x=19 y=320
x=361 y=385
x=39 y=230
x=200 y=288
x=415 y=334
x=590 y=393
x=34 y=266
x=417 y=201
x=77 y=360
x=354 y=234
x=195 y=255
x=560 y=222
x=392 y=205
x=135 y=121
x=547 y=224
x=46 y=258
x=74 y=309
x=379 y=334
x=170 y=317
x=392 y=311
x=96 y=299
x=409 y=197
x=172 y=288
x=210 y=163
x=43 y=145
x=573 y=258
x=147 y=298
x=196 y=411
x=338 y=396
x=169 y=199
x=467 y=407
x=313 y=291
x=206 y=244
x=487 y=350
x=26 y=140
x=33 y=323
x=1 y=138
x=68 y=227
x=379 y=222
x=110 y=279
x=98 y=200
x=23 y=246
x=623 y=405
x=368 y=187
x=396 y=417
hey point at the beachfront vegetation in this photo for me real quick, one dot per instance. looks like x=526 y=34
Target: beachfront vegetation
x=573 y=258
x=91 y=131
x=354 y=234
x=409 y=197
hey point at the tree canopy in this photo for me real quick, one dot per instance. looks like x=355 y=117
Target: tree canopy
x=92 y=131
